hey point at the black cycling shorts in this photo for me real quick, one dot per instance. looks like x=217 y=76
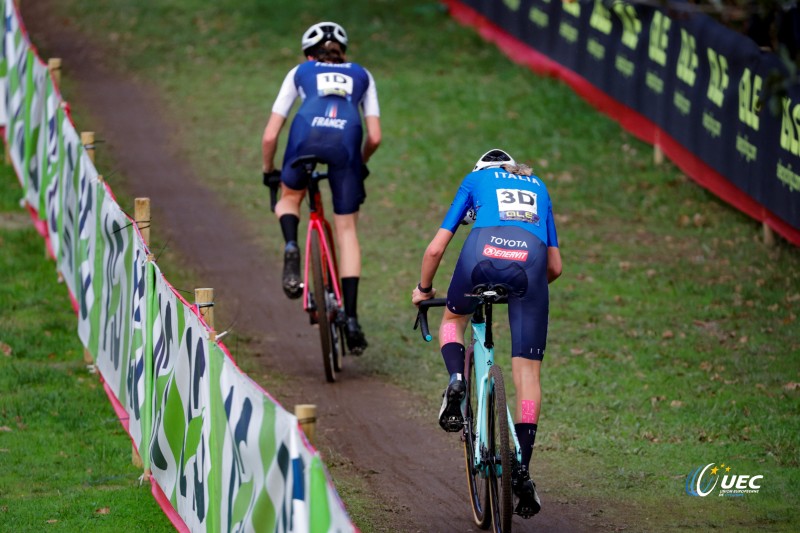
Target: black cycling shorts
x=516 y=258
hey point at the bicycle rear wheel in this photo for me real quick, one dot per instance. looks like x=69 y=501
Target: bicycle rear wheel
x=321 y=299
x=476 y=480
x=337 y=334
x=500 y=449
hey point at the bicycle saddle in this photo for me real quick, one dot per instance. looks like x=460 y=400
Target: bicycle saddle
x=309 y=160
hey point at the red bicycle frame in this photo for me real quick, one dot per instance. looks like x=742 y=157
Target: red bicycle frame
x=317 y=222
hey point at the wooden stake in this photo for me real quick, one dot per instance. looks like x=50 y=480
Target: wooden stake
x=87 y=140
x=54 y=66
x=136 y=459
x=769 y=235
x=141 y=213
x=307 y=418
x=204 y=299
x=658 y=154
x=87 y=357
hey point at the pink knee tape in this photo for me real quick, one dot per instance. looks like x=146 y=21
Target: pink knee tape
x=530 y=412
x=449 y=333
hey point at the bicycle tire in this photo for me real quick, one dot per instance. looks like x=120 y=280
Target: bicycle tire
x=500 y=449
x=337 y=329
x=323 y=317
x=477 y=481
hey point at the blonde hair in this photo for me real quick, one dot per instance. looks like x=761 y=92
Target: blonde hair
x=520 y=169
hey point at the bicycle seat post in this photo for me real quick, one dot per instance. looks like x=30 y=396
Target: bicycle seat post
x=313 y=186
x=489 y=342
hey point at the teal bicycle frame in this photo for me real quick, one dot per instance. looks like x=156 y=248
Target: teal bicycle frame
x=490 y=442
x=483 y=359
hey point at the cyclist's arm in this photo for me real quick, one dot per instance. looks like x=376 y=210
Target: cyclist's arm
x=430 y=264
x=553 y=253
x=373 y=137
x=371 y=110
x=269 y=141
x=553 y=263
x=280 y=110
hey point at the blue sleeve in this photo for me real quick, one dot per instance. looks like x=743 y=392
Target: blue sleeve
x=461 y=204
x=552 y=237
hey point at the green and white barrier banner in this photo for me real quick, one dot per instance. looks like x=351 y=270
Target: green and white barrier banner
x=269 y=477
x=47 y=152
x=68 y=223
x=117 y=315
x=88 y=239
x=16 y=49
x=180 y=457
x=224 y=455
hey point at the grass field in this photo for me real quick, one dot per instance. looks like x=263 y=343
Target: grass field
x=673 y=335
x=65 y=460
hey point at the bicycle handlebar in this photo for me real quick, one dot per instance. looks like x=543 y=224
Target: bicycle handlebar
x=273 y=181
x=422 y=316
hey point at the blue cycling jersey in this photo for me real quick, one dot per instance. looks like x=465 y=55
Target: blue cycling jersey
x=331 y=93
x=500 y=198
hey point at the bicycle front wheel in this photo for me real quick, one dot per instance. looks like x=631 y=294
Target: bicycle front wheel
x=477 y=480
x=500 y=450
x=319 y=271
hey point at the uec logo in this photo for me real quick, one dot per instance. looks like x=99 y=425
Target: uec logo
x=700 y=484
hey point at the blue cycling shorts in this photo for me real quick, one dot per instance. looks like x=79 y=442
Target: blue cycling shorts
x=340 y=150
x=517 y=259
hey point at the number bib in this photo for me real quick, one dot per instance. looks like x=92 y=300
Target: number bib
x=516 y=204
x=334 y=83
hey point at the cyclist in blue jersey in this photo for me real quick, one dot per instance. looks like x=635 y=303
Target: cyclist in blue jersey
x=328 y=124
x=513 y=242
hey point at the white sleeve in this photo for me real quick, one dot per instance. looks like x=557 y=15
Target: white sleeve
x=370 y=102
x=286 y=96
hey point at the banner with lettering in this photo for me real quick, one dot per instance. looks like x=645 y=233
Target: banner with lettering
x=726 y=112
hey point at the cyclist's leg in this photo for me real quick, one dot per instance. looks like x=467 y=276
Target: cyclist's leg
x=529 y=401
x=451 y=343
x=288 y=212
x=451 y=339
x=348 y=193
x=528 y=316
x=350 y=273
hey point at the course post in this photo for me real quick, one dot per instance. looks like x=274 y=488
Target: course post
x=307 y=418
x=769 y=235
x=141 y=213
x=658 y=154
x=54 y=67
x=87 y=140
x=204 y=300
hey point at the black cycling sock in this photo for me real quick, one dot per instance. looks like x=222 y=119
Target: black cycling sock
x=453 y=355
x=350 y=296
x=289 y=224
x=526 y=434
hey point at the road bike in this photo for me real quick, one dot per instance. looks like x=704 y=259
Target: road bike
x=491 y=448
x=322 y=294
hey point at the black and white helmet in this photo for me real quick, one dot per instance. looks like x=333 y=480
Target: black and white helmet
x=494 y=158
x=322 y=32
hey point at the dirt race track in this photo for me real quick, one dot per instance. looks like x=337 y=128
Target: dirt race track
x=413 y=468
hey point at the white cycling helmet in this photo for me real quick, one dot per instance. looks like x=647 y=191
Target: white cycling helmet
x=494 y=158
x=322 y=32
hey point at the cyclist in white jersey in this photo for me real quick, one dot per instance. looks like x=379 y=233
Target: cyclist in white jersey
x=334 y=94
